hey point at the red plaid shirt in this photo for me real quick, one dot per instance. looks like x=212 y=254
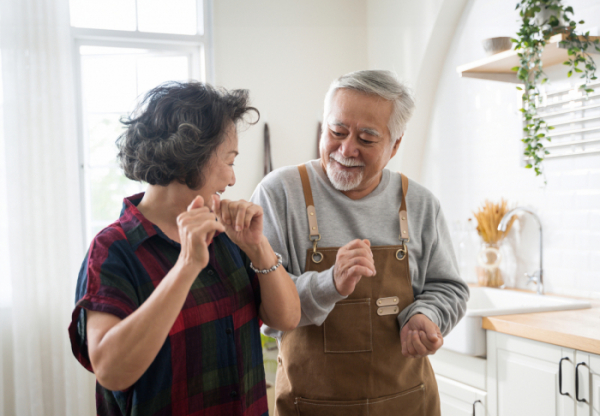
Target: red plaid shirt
x=211 y=362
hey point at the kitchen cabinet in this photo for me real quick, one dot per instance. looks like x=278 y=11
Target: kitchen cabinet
x=461 y=383
x=588 y=374
x=458 y=399
x=531 y=378
x=518 y=377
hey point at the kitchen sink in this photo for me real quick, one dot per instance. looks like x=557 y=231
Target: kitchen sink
x=468 y=337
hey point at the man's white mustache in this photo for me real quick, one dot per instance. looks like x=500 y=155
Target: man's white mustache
x=345 y=161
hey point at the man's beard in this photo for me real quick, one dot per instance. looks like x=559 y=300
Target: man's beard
x=340 y=179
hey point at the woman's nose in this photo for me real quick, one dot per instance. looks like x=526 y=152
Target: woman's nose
x=232 y=180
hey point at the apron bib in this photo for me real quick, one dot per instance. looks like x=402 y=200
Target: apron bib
x=352 y=365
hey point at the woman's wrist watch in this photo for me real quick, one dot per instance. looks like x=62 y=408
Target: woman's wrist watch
x=272 y=269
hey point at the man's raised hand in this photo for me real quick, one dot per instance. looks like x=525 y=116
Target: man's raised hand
x=420 y=337
x=352 y=262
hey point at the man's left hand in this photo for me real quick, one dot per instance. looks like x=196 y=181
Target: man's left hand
x=420 y=337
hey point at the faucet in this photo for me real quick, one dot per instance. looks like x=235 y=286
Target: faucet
x=537 y=276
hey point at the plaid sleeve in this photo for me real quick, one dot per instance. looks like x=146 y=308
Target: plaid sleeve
x=105 y=284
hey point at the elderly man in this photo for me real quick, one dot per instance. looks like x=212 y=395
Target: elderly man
x=372 y=259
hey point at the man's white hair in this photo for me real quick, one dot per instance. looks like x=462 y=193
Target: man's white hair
x=384 y=84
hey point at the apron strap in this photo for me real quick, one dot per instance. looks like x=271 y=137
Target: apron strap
x=404 y=235
x=311 y=213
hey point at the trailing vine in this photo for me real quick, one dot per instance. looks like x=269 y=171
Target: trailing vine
x=530 y=43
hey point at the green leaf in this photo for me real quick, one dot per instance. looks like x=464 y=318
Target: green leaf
x=550 y=127
x=569 y=9
x=569 y=73
x=582 y=22
x=515 y=68
x=520 y=89
x=528 y=166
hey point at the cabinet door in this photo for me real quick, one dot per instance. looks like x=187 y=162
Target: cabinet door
x=458 y=399
x=527 y=377
x=595 y=384
x=588 y=378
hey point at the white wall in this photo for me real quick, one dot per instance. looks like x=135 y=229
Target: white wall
x=463 y=142
x=286 y=52
x=473 y=152
x=412 y=39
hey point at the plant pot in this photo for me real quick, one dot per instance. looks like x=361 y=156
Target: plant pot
x=542 y=19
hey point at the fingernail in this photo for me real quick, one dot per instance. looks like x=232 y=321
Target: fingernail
x=238 y=228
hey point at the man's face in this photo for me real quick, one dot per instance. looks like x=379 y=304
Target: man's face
x=356 y=144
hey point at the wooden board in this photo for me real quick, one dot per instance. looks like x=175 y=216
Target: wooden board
x=498 y=67
x=578 y=329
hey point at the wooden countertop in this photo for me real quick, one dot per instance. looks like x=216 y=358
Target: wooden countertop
x=577 y=329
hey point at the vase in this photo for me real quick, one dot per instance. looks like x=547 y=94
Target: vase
x=489 y=259
x=542 y=19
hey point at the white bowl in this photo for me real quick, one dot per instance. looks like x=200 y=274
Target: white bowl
x=493 y=46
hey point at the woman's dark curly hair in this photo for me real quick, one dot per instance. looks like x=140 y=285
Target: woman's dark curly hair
x=175 y=130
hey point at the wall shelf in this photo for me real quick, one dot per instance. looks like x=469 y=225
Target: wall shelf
x=498 y=67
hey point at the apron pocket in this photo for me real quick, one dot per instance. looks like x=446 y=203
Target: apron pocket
x=348 y=327
x=406 y=403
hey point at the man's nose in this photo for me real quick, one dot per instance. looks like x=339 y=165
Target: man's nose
x=348 y=147
x=232 y=180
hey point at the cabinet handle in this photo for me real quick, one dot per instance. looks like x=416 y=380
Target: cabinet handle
x=474 y=403
x=577 y=383
x=560 y=376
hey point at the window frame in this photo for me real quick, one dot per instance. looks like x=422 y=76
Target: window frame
x=199 y=48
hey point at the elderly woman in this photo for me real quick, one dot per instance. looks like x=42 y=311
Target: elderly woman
x=170 y=296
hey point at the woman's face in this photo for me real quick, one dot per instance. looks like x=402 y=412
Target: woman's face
x=218 y=173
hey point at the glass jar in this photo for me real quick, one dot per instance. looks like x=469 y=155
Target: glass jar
x=488 y=270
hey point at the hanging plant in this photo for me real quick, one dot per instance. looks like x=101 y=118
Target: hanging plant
x=542 y=19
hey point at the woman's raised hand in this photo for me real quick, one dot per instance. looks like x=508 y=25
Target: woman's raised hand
x=243 y=221
x=197 y=227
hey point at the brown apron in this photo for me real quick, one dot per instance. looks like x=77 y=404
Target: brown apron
x=353 y=364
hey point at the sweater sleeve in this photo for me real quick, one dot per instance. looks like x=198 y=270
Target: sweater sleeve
x=443 y=298
x=316 y=290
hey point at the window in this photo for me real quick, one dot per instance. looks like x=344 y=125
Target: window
x=124 y=48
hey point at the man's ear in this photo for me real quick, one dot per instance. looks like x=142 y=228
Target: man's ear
x=396 y=146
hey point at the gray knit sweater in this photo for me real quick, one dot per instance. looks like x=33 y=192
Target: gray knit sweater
x=440 y=293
